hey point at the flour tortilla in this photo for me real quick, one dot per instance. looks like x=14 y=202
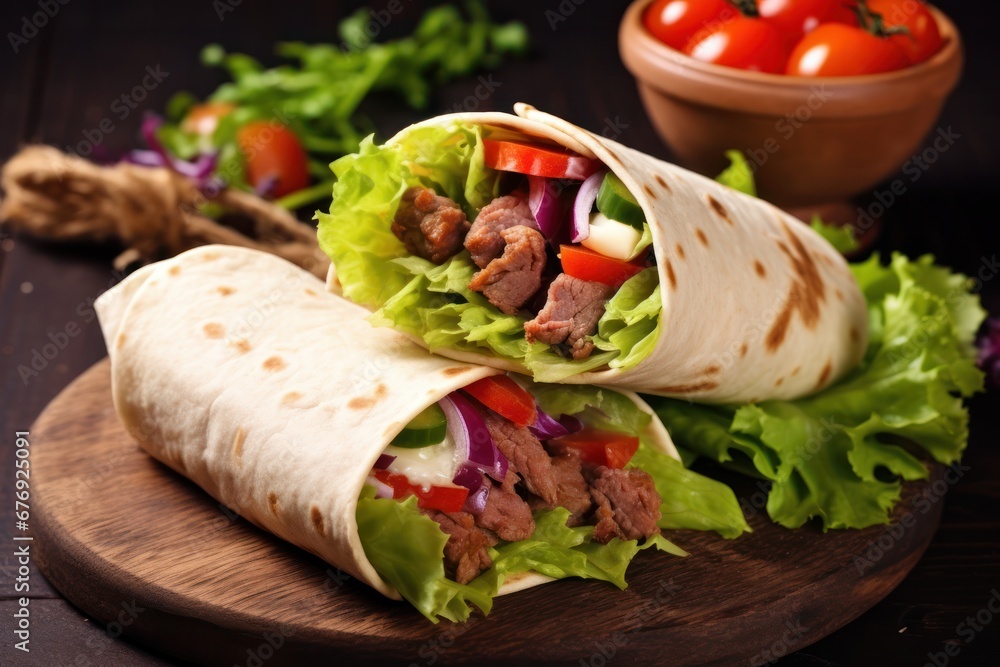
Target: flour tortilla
x=756 y=305
x=236 y=369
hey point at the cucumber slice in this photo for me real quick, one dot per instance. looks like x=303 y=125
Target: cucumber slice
x=427 y=428
x=615 y=201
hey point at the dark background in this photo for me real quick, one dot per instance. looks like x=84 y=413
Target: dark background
x=64 y=80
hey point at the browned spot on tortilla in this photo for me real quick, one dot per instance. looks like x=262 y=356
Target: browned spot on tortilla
x=776 y=335
x=712 y=370
x=719 y=209
x=214 y=330
x=805 y=295
x=680 y=251
x=795 y=371
x=120 y=341
x=224 y=291
x=290 y=397
x=779 y=382
x=663 y=183
x=274 y=364
x=209 y=256
x=456 y=370
x=365 y=402
x=242 y=345
x=688 y=388
x=238 y=442
x=649 y=191
x=701 y=237
x=743 y=350
x=174 y=270
x=272 y=502
x=311 y=292
x=840 y=295
x=670 y=274
x=317 y=520
x=759 y=268
x=825 y=375
x=855 y=336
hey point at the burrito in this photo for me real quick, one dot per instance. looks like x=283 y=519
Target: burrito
x=531 y=245
x=441 y=482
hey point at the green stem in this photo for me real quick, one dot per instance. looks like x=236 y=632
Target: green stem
x=300 y=198
x=874 y=22
x=747 y=7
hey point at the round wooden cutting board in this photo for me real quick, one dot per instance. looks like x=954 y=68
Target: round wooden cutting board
x=134 y=544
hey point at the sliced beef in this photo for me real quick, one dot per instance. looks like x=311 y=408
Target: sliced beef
x=429 y=225
x=628 y=505
x=571 y=488
x=506 y=514
x=484 y=240
x=465 y=553
x=525 y=453
x=510 y=280
x=570 y=314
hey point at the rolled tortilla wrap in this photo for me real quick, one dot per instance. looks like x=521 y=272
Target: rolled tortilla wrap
x=755 y=305
x=241 y=373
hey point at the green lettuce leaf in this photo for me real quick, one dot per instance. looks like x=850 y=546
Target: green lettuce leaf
x=839 y=455
x=738 y=175
x=406 y=548
x=840 y=237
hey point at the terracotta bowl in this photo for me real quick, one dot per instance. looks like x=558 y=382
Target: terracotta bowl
x=813 y=141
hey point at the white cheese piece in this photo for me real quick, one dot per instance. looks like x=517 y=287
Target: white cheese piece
x=611 y=238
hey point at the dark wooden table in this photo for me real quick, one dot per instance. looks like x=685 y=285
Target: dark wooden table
x=63 y=77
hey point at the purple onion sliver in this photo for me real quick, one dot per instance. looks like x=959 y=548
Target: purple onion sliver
x=545 y=205
x=571 y=424
x=381 y=490
x=585 y=199
x=383 y=462
x=482 y=450
x=144 y=158
x=547 y=427
x=475 y=503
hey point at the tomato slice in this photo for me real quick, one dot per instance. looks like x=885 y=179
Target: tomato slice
x=273 y=152
x=601 y=448
x=535 y=160
x=506 y=398
x=443 y=498
x=585 y=264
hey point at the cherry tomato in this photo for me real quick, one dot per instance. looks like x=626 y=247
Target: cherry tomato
x=444 y=498
x=923 y=38
x=273 y=153
x=204 y=118
x=834 y=49
x=535 y=160
x=676 y=22
x=585 y=264
x=601 y=448
x=844 y=12
x=744 y=43
x=506 y=398
x=795 y=18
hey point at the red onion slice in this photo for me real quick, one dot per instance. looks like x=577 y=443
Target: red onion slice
x=381 y=490
x=473 y=442
x=471 y=478
x=383 y=461
x=545 y=205
x=583 y=205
